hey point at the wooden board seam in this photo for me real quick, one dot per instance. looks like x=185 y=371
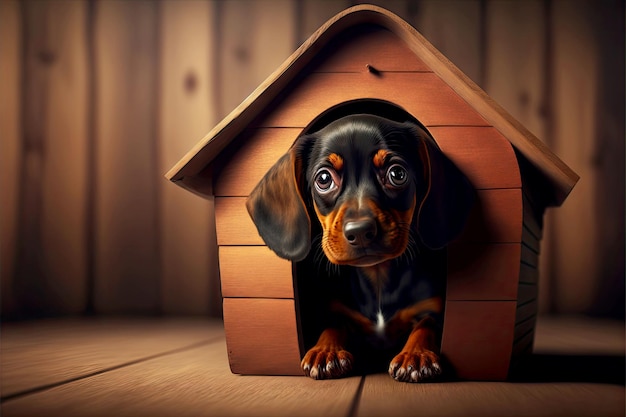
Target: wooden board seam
x=258 y=298
x=381 y=72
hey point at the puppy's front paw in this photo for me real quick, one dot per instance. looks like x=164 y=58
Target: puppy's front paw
x=415 y=366
x=325 y=362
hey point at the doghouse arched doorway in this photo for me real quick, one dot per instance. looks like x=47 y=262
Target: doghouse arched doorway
x=313 y=276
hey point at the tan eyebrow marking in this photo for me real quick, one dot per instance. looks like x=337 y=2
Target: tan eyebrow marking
x=336 y=161
x=380 y=157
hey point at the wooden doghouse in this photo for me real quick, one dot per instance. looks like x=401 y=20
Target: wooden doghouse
x=367 y=59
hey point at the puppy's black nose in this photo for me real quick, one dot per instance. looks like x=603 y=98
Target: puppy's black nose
x=360 y=232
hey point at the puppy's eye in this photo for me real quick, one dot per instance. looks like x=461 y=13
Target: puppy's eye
x=325 y=181
x=397 y=175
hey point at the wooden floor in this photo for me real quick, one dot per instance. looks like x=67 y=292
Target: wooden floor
x=179 y=367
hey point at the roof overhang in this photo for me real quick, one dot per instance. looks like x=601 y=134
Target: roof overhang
x=187 y=172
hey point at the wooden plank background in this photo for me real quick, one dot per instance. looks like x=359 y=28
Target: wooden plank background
x=99 y=99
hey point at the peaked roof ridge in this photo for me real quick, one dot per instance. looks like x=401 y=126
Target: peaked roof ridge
x=562 y=178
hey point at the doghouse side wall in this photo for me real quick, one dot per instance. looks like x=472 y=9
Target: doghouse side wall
x=527 y=305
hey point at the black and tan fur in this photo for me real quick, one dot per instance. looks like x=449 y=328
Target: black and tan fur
x=380 y=199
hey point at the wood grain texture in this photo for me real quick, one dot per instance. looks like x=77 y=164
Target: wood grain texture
x=481 y=153
x=424 y=95
x=255 y=38
x=312 y=14
x=51 y=266
x=190 y=383
x=562 y=178
x=126 y=163
x=189 y=282
x=454 y=27
x=377 y=47
x=478 y=338
x=254 y=271
x=517 y=82
x=262 y=336
x=577 y=334
x=40 y=353
x=196 y=380
x=233 y=223
x=253 y=154
x=383 y=396
x=483 y=271
x=10 y=149
x=577 y=124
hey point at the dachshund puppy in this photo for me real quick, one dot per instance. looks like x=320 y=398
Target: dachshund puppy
x=380 y=200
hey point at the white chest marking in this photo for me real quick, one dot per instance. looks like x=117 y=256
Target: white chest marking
x=380 y=323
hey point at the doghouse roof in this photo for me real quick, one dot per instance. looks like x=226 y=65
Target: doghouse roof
x=190 y=171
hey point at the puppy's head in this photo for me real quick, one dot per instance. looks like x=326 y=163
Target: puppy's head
x=370 y=182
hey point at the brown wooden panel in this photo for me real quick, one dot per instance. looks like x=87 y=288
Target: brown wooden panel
x=380 y=48
x=591 y=214
x=10 y=146
x=188 y=252
x=233 y=223
x=482 y=153
x=478 y=338
x=516 y=42
x=52 y=248
x=255 y=37
x=496 y=217
x=261 y=336
x=54 y=351
x=483 y=271
x=313 y=14
x=126 y=205
x=454 y=27
x=424 y=95
x=254 y=271
x=252 y=156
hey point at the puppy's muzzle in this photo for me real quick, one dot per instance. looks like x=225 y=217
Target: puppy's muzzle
x=359 y=233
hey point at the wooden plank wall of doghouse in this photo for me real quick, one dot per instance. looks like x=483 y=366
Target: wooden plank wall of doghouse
x=484 y=265
x=79 y=164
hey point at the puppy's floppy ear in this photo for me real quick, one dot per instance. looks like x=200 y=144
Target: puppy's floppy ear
x=447 y=196
x=278 y=210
